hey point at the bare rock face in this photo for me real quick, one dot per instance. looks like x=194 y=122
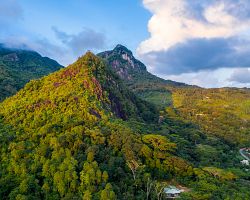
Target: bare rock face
x=123 y=62
x=126 y=57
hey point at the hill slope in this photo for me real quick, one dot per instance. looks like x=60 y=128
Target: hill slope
x=136 y=76
x=17 y=67
x=60 y=139
x=221 y=112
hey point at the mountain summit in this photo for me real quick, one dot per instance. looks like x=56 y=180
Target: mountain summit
x=135 y=75
x=123 y=62
x=122 y=49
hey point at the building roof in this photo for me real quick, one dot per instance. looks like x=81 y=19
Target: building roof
x=172 y=190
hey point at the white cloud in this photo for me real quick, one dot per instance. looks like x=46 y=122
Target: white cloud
x=174 y=21
x=197 y=41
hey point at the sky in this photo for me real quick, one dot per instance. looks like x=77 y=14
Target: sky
x=199 y=42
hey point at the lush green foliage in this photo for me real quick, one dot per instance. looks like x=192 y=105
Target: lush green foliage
x=65 y=145
x=221 y=112
x=17 y=67
x=60 y=138
x=212 y=139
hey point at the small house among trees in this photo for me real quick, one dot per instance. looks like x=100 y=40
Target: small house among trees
x=171 y=192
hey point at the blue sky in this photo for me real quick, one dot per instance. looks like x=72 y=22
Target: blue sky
x=117 y=19
x=120 y=21
x=202 y=42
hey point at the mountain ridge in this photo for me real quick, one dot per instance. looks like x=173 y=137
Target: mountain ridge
x=190 y=103
x=17 y=67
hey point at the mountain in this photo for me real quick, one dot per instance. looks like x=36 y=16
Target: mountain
x=124 y=103
x=132 y=70
x=59 y=139
x=136 y=77
x=17 y=67
x=80 y=133
x=220 y=112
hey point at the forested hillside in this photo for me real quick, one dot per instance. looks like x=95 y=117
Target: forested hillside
x=80 y=133
x=17 y=67
x=58 y=141
x=221 y=112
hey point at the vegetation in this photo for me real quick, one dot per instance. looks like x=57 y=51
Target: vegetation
x=81 y=133
x=204 y=140
x=64 y=144
x=220 y=112
x=17 y=67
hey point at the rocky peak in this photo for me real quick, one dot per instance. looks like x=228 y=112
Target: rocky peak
x=123 y=62
x=125 y=54
x=120 y=49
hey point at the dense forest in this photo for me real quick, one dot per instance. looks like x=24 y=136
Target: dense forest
x=82 y=133
x=18 y=67
x=223 y=112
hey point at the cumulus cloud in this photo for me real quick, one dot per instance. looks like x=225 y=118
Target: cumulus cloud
x=87 y=39
x=188 y=36
x=175 y=21
x=241 y=75
x=200 y=54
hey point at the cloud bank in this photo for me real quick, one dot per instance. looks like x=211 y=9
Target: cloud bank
x=193 y=36
x=64 y=47
x=200 y=54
